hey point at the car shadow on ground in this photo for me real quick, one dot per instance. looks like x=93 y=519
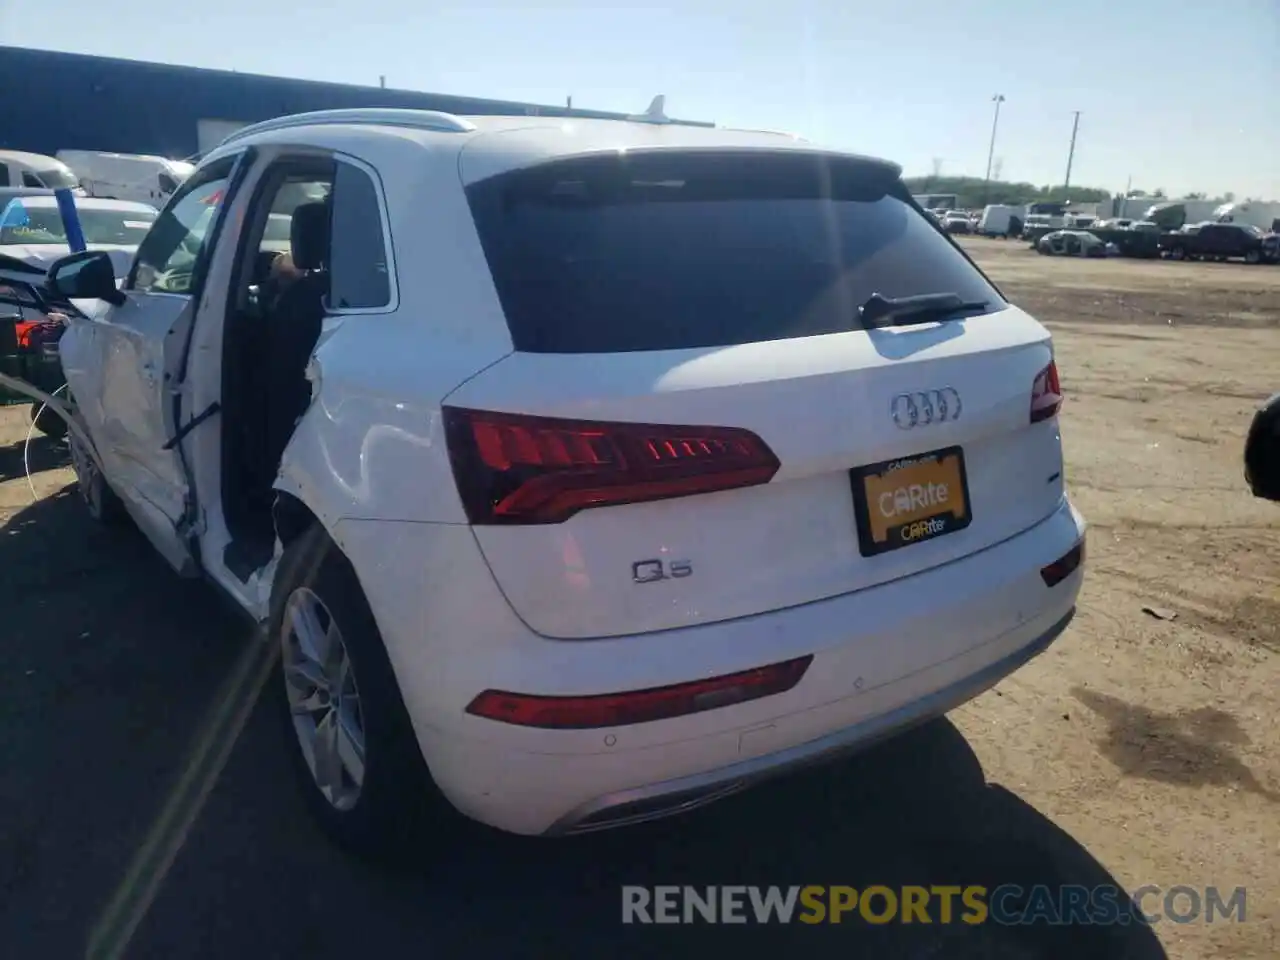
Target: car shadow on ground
x=913 y=811
x=44 y=453
x=107 y=661
x=111 y=662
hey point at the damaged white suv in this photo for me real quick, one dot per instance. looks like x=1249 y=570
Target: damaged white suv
x=583 y=471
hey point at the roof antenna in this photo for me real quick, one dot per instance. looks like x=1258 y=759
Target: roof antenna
x=655 y=113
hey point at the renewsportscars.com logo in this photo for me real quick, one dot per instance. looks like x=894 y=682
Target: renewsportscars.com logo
x=1008 y=905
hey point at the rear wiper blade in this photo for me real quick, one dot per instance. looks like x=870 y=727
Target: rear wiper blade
x=881 y=311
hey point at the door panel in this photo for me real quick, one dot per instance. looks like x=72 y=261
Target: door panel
x=133 y=393
x=126 y=363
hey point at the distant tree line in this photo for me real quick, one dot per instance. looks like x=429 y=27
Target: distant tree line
x=1159 y=194
x=973 y=192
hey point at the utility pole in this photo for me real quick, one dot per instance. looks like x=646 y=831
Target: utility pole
x=936 y=167
x=382 y=81
x=1071 y=153
x=991 y=150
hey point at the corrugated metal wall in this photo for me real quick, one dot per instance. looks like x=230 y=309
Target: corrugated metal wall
x=52 y=101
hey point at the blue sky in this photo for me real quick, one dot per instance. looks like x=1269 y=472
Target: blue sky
x=1182 y=96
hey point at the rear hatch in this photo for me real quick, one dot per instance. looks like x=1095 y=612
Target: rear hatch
x=699 y=423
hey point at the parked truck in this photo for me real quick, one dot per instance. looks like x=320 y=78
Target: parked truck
x=1001 y=220
x=1142 y=208
x=1221 y=241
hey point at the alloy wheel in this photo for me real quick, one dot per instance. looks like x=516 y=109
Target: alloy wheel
x=323 y=699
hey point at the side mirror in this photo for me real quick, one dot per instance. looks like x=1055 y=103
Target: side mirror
x=89 y=275
x=1262 y=451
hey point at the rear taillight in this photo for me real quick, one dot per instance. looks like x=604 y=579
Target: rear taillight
x=1064 y=566
x=638 y=706
x=1046 y=394
x=516 y=469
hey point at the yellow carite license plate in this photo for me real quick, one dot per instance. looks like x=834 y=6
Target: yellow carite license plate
x=906 y=501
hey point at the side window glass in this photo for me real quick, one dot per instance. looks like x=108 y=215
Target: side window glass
x=360 y=275
x=4 y=175
x=31 y=180
x=294 y=239
x=172 y=252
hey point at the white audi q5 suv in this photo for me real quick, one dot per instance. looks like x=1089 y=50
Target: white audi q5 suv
x=583 y=471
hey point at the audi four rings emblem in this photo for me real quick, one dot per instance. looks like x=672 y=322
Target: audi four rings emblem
x=926 y=407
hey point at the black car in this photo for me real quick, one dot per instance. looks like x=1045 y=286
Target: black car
x=28 y=343
x=1219 y=241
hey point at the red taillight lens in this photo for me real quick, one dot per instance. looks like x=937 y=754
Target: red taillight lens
x=1064 y=566
x=514 y=469
x=1046 y=394
x=638 y=706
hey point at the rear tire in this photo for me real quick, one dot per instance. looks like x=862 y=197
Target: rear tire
x=48 y=422
x=353 y=750
x=1177 y=253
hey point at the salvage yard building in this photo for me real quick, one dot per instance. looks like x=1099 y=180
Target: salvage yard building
x=56 y=101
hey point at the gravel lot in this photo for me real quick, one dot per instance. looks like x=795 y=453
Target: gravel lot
x=1140 y=750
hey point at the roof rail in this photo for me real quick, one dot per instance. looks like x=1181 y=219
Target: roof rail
x=384 y=116
x=656 y=112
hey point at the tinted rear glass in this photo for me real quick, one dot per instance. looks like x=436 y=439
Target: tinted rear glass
x=666 y=250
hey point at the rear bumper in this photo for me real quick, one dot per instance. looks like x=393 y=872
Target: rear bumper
x=883 y=659
x=625 y=807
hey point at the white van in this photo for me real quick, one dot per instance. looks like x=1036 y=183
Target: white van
x=21 y=169
x=998 y=220
x=126 y=176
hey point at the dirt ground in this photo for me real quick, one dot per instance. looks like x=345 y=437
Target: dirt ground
x=1150 y=739
x=1154 y=741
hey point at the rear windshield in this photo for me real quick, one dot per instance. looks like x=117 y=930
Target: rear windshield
x=665 y=251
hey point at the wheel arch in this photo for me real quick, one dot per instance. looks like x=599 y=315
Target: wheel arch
x=294 y=514
x=292 y=517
